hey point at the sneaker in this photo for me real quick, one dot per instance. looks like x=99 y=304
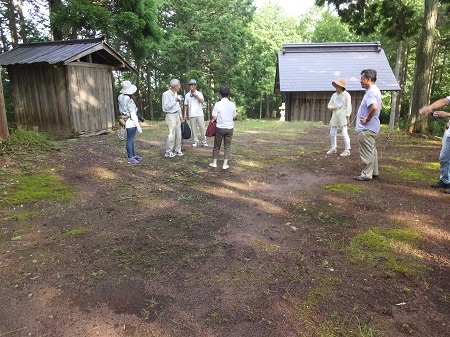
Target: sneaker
x=138 y=158
x=179 y=153
x=133 y=160
x=225 y=167
x=204 y=144
x=212 y=165
x=361 y=178
x=194 y=144
x=375 y=177
x=331 y=151
x=447 y=190
x=169 y=154
x=440 y=184
x=346 y=153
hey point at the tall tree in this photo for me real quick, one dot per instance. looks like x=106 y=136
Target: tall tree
x=423 y=69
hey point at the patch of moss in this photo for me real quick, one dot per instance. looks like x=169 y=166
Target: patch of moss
x=343 y=188
x=388 y=249
x=37 y=187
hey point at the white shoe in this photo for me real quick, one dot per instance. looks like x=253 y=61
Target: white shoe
x=212 y=165
x=194 y=144
x=225 y=167
x=169 y=154
x=205 y=144
x=179 y=153
x=331 y=151
x=346 y=153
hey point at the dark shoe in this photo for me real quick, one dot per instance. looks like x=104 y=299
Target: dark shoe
x=447 y=190
x=361 y=178
x=376 y=177
x=440 y=184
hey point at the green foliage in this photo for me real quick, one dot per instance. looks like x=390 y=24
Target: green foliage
x=27 y=141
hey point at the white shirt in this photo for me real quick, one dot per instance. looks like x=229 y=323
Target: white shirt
x=128 y=108
x=195 y=108
x=225 y=111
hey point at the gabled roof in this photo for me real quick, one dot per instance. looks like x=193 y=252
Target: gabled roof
x=313 y=66
x=65 y=52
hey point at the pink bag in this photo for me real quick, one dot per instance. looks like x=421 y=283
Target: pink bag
x=211 y=130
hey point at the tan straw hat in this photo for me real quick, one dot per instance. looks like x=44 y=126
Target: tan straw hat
x=340 y=82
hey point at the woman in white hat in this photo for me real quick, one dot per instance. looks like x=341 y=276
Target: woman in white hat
x=128 y=109
x=341 y=108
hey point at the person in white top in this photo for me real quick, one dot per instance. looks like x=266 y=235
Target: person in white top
x=444 y=157
x=171 y=107
x=341 y=108
x=128 y=109
x=224 y=113
x=193 y=107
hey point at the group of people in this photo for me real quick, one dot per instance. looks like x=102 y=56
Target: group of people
x=223 y=114
x=367 y=123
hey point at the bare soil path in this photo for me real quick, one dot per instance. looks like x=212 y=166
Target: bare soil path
x=284 y=243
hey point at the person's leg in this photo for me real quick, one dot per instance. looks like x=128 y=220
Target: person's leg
x=171 y=123
x=344 y=130
x=131 y=133
x=194 y=130
x=368 y=153
x=177 y=131
x=333 y=131
x=444 y=158
x=201 y=126
x=228 y=136
x=217 y=143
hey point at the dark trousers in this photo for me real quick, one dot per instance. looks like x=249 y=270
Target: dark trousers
x=226 y=135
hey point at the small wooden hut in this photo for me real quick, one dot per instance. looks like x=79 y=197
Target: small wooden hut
x=305 y=72
x=64 y=87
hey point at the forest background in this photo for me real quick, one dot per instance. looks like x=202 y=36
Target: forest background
x=235 y=43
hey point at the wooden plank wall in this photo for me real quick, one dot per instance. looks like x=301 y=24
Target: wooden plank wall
x=313 y=106
x=40 y=98
x=91 y=98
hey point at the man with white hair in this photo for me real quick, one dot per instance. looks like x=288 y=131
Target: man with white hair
x=171 y=107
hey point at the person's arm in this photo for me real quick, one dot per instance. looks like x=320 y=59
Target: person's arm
x=425 y=110
x=199 y=96
x=186 y=106
x=169 y=102
x=372 y=111
x=330 y=104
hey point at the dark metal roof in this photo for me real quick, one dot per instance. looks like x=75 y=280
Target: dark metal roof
x=313 y=66
x=65 y=52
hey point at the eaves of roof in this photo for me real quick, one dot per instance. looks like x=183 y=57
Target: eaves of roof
x=312 y=67
x=65 y=52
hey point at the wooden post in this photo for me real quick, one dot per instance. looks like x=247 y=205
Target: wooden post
x=4 y=133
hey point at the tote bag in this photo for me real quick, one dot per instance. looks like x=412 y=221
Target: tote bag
x=211 y=130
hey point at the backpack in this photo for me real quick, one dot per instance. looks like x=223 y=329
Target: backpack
x=185 y=130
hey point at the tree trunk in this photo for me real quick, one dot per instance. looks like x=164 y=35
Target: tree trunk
x=53 y=5
x=396 y=94
x=260 y=106
x=4 y=133
x=150 y=91
x=267 y=107
x=403 y=78
x=23 y=29
x=423 y=68
x=3 y=37
x=12 y=24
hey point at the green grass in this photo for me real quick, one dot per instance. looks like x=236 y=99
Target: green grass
x=23 y=141
x=36 y=187
x=389 y=249
x=343 y=188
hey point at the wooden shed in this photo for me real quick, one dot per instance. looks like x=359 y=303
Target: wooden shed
x=64 y=87
x=305 y=72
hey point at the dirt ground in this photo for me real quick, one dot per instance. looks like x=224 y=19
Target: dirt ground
x=172 y=247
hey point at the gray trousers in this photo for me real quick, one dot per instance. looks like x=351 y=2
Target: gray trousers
x=226 y=135
x=368 y=152
x=200 y=121
x=174 y=138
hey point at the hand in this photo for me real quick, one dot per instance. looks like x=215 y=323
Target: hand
x=425 y=110
x=363 y=120
x=440 y=114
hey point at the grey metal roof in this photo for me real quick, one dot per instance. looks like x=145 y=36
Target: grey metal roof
x=65 y=52
x=313 y=66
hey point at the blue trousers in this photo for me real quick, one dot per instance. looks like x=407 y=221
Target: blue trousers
x=444 y=158
x=131 y=134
